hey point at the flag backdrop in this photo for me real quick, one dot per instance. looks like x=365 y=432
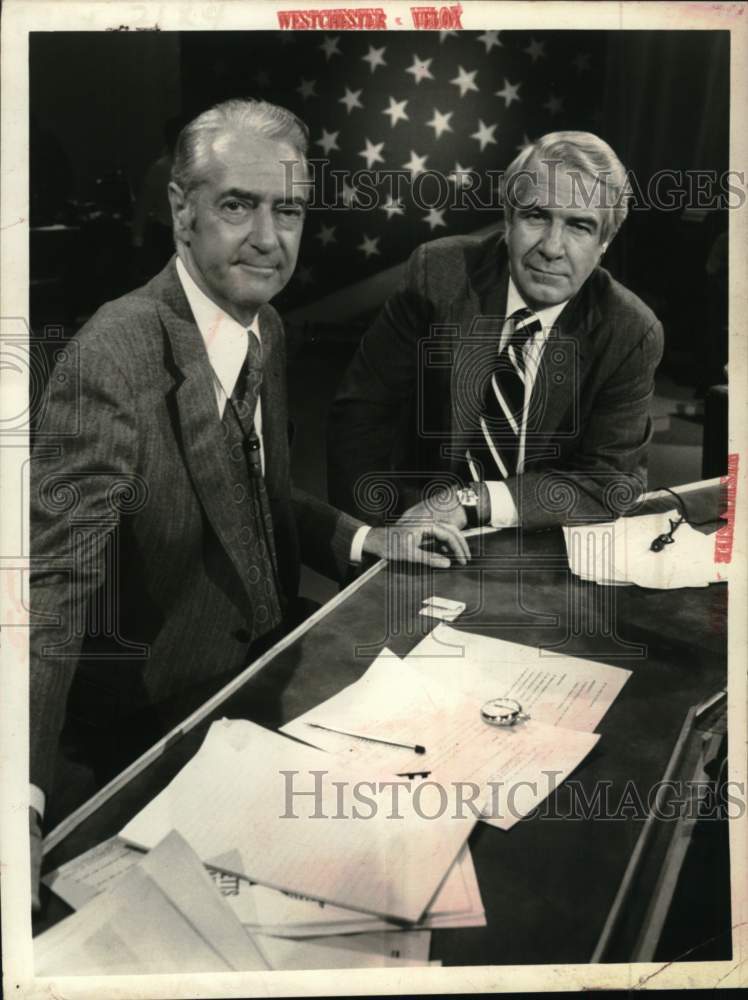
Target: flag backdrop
x=410 y=103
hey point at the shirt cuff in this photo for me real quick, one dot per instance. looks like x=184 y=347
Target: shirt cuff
x=357 y=545
x=503 y=511
x=37 y=800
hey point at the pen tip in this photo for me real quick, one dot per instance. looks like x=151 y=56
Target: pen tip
x=419 y=748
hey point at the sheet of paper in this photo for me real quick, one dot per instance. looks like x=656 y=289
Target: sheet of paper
x=350 y=951
x=80 y=880
x=240 y=804
x=368 y=707
x=162 y=915
x=505 y=771
x=620 y=552
x=554 y=689
x=529 y=760
x=282 y=914
x=270 y=911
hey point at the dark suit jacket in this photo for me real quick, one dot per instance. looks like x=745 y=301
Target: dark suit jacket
x=131 y=494
x=409 y=403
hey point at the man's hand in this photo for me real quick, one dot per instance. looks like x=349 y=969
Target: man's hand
x=404 y=541
x=35 y=839
x=443 y=506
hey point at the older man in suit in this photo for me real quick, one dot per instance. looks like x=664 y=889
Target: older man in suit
x=166 y=534
x=512 y=372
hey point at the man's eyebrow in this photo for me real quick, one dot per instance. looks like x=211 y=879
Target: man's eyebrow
x=591 y=218
x=245 y=195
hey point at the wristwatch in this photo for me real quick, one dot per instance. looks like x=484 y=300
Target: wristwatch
x=468 y=499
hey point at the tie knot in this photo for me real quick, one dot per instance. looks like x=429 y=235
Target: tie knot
x=254 y=350
x=525 y=324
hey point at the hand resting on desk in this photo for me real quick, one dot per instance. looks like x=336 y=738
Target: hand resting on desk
x=406 y=539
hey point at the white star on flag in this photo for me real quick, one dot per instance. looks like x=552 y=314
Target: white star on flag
x=374 y=57
x=369 y=246
x=330 y=47
x=581 y=62
x=554 y=104
x=536 y=50
x=306 y=88
x=484 y=135
x=460 y=175
x=416 y=164
x=445 y=33
x=435 y=218
x=420 y=69
x=440 y=123
x=392 y=207
x=373 y=153
x=396 y=111
x=348 y=194
x=525 y=142
x=490 y=39
x=328 y=141
x=465 y=81
x=326 y=235
x=509 y=92
x=351 y=99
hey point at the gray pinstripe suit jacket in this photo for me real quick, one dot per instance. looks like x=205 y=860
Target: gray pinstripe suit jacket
x=136 y=574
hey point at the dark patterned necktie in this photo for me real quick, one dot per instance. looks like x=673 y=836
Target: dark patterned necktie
x=249 y=493
x=500 y=423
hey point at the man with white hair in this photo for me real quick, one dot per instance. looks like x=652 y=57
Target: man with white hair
x=508 y=381
x=166 y=534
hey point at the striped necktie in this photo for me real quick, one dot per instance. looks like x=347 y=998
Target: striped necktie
x=503 y=404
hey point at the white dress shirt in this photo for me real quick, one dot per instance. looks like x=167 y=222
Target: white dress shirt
x=226 y=343
x=503 y=509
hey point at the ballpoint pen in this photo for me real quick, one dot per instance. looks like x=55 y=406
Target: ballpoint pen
x=416 y=747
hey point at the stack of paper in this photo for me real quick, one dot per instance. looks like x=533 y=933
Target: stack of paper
x=347 y=848
x=162 y=915
x=504 y=772
x=85 y=943
x=269 y=911
x=288 y=816
x=619 y=552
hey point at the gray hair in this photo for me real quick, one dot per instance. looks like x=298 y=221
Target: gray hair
x=233 y=116
x=586 y=153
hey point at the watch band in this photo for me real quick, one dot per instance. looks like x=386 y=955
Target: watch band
x=468 y=499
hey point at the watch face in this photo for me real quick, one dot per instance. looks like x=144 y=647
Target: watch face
x=467 y=497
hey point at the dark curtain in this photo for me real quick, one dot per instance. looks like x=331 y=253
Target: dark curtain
x=667 y=109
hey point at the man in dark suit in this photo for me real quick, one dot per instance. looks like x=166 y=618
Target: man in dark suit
x=166 y=534
x=513 y=373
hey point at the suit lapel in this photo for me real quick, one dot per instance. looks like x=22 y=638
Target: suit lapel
x=272 y=400
x=479 y=322
x=202 y=431
x=564 y=366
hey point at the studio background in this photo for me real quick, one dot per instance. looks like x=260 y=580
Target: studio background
x=103 y=106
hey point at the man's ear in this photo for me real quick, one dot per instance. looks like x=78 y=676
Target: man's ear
x=181 y=213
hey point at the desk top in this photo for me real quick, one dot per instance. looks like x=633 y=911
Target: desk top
x=547 y=884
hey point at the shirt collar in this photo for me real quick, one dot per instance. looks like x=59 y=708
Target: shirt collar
x=225 y=340
x=546 y=316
